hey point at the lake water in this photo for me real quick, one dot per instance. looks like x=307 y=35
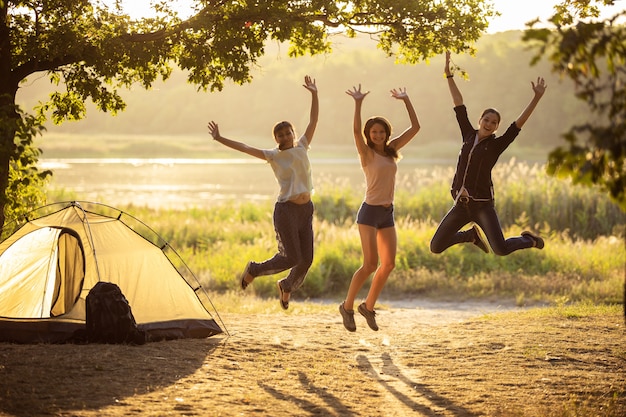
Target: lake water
x=183 y=183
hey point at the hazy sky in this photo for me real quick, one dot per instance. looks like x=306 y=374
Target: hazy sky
x=514 y=13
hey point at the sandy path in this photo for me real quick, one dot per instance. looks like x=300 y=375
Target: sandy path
x=428 y=359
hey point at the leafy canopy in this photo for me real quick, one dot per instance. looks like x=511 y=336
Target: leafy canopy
x=93 y=51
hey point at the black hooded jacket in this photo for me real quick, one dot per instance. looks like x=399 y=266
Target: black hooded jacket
x=474 y=166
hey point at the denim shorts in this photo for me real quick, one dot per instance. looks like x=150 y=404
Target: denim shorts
x=379 y=217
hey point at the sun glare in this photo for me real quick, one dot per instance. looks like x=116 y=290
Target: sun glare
x=137 y=9
x=515 y=14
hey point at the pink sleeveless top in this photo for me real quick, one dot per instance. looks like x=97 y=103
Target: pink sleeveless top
x=380 y=178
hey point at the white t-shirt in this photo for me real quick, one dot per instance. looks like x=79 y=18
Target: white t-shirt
x=292 y=169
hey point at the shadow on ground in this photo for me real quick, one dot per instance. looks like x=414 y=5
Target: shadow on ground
x=56 y=379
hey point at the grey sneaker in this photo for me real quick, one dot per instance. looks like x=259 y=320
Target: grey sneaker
x=284 y=304
x=243 y=278
x=478 y=240
x=348 y=318
x=370 y=316
x=539 y=244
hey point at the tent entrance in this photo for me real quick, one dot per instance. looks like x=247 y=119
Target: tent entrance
x=43 y=274
x=70 y=272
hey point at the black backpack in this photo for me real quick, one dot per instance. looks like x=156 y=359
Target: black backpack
x=109 y=316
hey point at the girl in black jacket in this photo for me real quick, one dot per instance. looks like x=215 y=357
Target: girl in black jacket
x=472 y=188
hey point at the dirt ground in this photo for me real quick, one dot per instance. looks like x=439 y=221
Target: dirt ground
x=426 y=360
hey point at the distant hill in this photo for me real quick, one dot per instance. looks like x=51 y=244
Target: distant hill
x=500 y=77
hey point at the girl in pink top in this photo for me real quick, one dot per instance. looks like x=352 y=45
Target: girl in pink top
x=378 y=154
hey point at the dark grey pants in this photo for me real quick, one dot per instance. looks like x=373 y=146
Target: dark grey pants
x=293 y=224
x=483 y=213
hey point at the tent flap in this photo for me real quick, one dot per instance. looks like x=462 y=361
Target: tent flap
x=39 y=330
x=64 y=331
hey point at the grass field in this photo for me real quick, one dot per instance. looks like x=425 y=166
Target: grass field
x=584 y=258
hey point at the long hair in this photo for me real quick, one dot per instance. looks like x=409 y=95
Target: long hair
x=389 y=151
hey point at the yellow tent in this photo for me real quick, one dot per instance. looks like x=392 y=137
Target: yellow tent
x=48 y=266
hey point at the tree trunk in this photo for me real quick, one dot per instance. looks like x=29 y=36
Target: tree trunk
x=8 y=114
x=8 y=124
x=8 y=119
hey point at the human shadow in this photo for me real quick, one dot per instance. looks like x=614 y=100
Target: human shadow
x=423 y=391
x=47 y=379
x=314 y=408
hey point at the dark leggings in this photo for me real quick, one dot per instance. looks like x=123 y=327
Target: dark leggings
x=293 y=224
x=484 y=215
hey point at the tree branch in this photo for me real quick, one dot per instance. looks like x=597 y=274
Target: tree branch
x=33 y=65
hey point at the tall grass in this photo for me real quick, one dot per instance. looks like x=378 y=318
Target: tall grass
x=584 y=258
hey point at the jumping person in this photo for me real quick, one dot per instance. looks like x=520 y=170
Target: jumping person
x=472 y=187
x=378 y=154
x=293 y=210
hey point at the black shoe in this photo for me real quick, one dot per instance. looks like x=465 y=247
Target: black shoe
x=539 y=244
x=370 y=316
x=478 y=240
x=348 y=318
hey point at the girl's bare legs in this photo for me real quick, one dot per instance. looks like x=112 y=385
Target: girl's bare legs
x=387 y=243
x=370 y=263
x=374 y=243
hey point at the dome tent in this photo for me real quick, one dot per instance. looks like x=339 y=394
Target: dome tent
x=60 y=251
